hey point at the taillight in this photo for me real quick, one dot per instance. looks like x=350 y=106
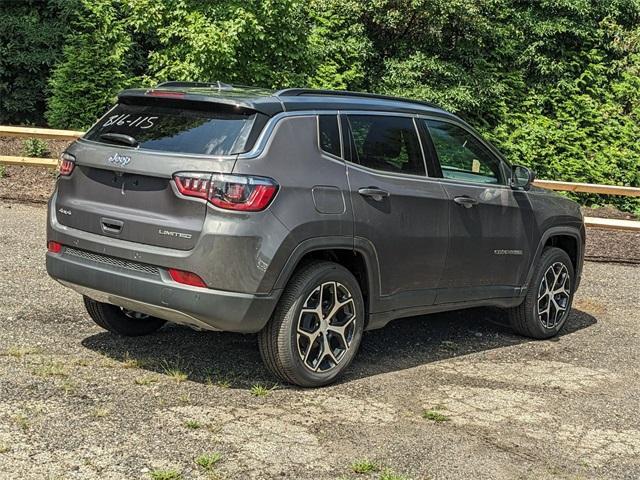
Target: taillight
x=186 y=278
x=164 y=93
x=67 y=164
x=230 y=192
x=54 y=247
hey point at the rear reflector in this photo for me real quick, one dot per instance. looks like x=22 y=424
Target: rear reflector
x=186 y=278
x=230 y=192
x=67 y=164
x=54 y=247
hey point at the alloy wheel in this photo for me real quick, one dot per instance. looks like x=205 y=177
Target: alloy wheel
x=326 y=327
x=554 y=294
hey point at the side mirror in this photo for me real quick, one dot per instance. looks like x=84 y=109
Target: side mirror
x=521 y=177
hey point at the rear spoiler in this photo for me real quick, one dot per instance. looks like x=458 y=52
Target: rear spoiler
x=206 y=99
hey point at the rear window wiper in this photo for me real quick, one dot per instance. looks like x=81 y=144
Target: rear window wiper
x=119 y=138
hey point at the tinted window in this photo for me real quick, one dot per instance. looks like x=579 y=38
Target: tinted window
x=181 y=130
x=386 y=143
x=462 y=156
x=329 y=134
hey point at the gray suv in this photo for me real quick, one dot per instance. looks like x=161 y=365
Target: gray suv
x=305 y=216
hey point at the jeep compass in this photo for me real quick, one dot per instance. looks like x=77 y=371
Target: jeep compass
x=305 y=216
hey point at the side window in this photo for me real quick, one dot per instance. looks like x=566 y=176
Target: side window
x=329 y=134
x=462 y=156
x=387 y=143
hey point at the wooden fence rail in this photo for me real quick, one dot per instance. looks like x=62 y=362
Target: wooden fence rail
x=605 y=223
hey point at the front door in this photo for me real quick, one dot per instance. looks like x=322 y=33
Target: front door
x=490 y=223
x=397 y=208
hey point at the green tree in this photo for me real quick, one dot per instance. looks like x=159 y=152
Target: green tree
x=30 y=33
x=95 y=65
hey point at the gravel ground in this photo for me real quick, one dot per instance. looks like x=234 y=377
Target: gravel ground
x=76 y=402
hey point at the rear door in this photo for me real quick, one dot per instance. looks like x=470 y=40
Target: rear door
x=490 y=226
x=122 y=184
x=396 y=206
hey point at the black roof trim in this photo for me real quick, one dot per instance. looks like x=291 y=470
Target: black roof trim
x=297 y=92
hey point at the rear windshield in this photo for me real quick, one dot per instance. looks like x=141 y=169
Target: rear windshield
x=171 y=129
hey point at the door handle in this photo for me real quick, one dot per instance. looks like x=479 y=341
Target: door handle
x=375 y=193
x=465 y=201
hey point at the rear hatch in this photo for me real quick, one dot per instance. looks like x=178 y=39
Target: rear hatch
x=122 y=185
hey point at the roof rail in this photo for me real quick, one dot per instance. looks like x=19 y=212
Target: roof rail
x=297 y=92
x=218 y=85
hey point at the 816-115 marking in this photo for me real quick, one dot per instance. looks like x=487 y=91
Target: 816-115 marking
x=140 y=122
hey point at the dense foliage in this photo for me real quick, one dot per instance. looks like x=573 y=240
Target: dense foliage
x=31 y=34
x=555 y=84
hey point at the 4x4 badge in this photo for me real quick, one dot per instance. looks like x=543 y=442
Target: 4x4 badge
x=118 y=159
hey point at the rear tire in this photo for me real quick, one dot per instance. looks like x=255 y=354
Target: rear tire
x=119 y=321
x=317 y=327
x=547 y=303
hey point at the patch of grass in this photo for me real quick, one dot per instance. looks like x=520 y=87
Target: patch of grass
x=34 y=147
x=51 y=369
x=448 y=345
x=175 y=370
x=224 y=383
x=259 y=390
x=22 y=421
x=435 y=416
x=129 y=362
x=4 y=448
x=165 y=475
x=208 y=460
x=390 y=475
x=101 y=412
x=21 y=351
x=364 y=466
x=145 y=380
x=2 y=171
x=192 y=424
x=68 y=387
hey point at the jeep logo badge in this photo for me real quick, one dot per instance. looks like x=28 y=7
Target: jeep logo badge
x=118 y=159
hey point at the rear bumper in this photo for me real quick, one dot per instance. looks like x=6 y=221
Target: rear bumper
x=154 y=293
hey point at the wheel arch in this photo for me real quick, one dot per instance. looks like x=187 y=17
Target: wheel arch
x=359 y=258
x=569 y=239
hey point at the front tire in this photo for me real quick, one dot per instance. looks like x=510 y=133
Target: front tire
x=547 y=303
x=317 y=327
x=120 y=321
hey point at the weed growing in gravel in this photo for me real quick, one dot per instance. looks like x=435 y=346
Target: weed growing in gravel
x=22 y=421
x=208 y=460
x=212 y=377
x=129 y=362
x=258 y=390
x=435 y=416
x=20 y=351
x=364 y=466
x=34 y=147
x=192 y=424
x=2 y=171
x=101 y=412
x=50 y=369
x=224 y=383
x=4 y=448
x=165 y=475
x=390 y=475
x=69 y=387
x=175 y=370
x=145 y=380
